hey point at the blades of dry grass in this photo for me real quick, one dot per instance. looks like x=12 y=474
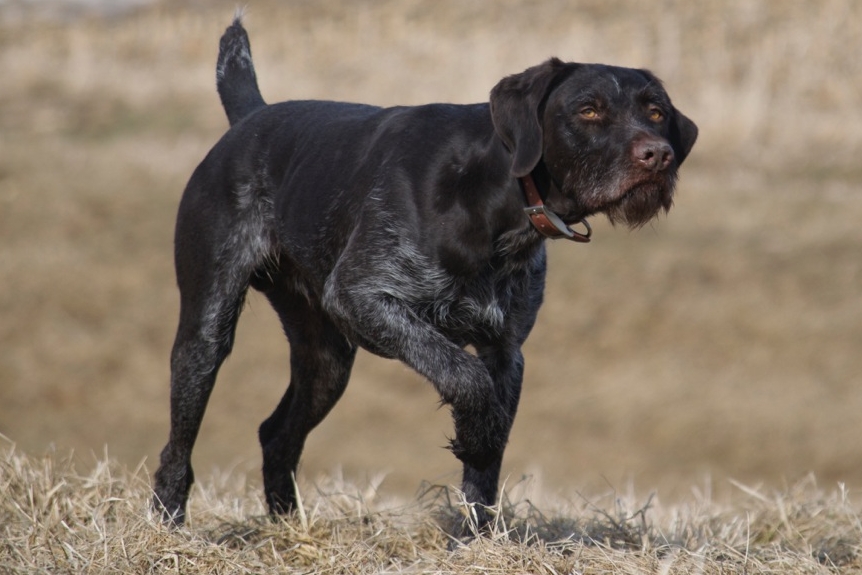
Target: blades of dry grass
x=750 y=288
x=56 y=519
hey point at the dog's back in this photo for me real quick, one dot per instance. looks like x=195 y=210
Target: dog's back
x=235 y=77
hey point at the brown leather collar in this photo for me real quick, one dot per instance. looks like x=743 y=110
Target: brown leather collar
x=547 y=222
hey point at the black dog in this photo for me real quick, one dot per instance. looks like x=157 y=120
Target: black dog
x=403 y=231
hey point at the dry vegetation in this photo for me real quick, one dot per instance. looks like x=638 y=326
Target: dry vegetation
x=721 y=343
x=58 y=520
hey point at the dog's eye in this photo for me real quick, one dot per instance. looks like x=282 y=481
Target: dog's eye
x=588 y=113
x=656 y=115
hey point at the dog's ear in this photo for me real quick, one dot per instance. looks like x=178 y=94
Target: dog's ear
x=683 y=133
x=516 y=102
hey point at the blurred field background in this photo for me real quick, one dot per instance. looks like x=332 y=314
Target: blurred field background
x=724 y=341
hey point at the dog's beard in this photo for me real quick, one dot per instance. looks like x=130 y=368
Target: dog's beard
x=641 y=203
x=629 y=201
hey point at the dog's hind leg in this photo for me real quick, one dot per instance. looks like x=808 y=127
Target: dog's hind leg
x=214 y=264
x=320 y=362
x=204 y=339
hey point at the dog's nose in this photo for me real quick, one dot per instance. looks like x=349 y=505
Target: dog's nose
x=653 y=154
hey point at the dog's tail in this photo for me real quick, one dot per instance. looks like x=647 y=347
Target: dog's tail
x=235 y=77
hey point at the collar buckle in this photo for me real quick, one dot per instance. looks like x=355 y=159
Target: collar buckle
x=547 y=222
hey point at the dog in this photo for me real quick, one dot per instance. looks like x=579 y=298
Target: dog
x=416 y=233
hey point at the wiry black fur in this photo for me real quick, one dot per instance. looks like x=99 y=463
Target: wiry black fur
x=399 y=230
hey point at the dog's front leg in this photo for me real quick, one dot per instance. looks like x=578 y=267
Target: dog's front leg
x=388 y=326
x=506 y=367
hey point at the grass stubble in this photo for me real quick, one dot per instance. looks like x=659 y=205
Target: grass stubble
x=55 y=518
x=698 y=346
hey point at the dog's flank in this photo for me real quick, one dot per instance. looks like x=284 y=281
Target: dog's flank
x=401 y=231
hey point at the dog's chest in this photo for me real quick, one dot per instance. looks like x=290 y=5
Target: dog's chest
x=478 y=307
x=467 y=308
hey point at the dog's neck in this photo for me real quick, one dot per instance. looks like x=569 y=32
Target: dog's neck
x=546 y=222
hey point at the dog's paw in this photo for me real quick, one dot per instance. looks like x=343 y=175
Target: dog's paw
x=480 y=435
x=170 y=514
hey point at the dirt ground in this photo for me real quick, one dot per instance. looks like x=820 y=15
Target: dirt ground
x=723 y=341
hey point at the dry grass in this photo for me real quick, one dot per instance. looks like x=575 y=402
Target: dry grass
x=723 y=342
x=57 y=519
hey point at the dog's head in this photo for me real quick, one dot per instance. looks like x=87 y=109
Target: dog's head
x=608 y=137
